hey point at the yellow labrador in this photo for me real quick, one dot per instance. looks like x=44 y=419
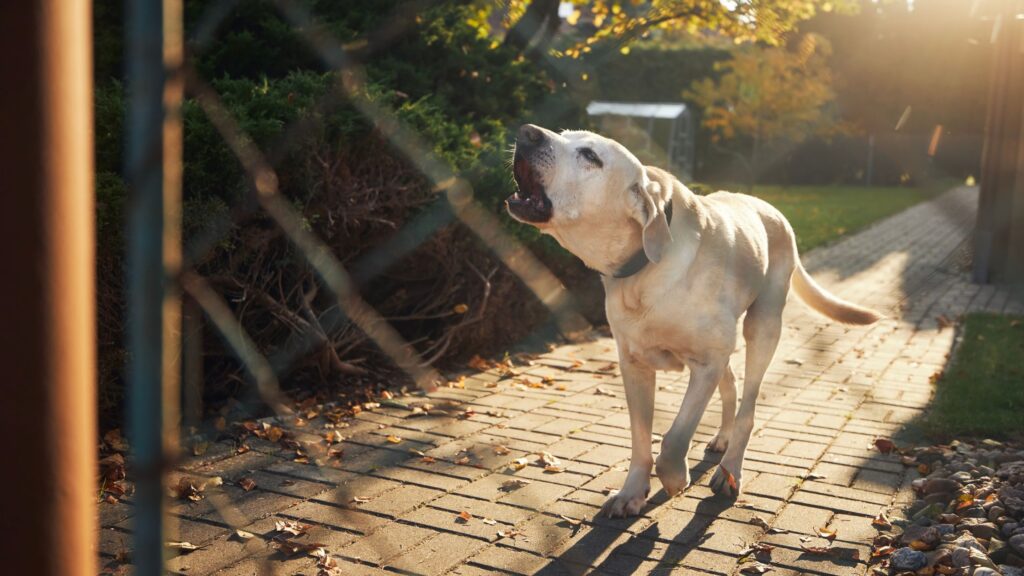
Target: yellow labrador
x=679 y=271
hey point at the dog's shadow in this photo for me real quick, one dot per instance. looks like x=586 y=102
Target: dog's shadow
x=628 y=556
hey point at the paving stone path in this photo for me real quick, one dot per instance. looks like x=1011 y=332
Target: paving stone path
x=393 y=507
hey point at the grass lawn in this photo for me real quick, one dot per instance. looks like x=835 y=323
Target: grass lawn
x=821 y=214
x=982 y=393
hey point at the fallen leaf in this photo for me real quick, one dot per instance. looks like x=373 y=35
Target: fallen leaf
x=187 y=546
x=602 y=392
x=243 y=535
x=884 y=445
x=394 y=439
x=882 y=551
x=755 y=568
x=333 y=437
x=549 y=459
x=290 y=527
x=359 y=500
x=554 y=469
x=882 y=521
x=247 y=484
x=758 y=548
x=510 y=533
x=827 y=534
x=428 y=460
x=817 y=550
x=489 y=521
x=520 y=463
x=463 y=517
x=501 y=450
x=462 y=461
x=571 y=521
x=814 y=476
x=292 y=547
x=274 y=434
x=510 y=485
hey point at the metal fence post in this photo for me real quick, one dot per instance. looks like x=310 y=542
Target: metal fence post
x=153 y=169
x=47 y=343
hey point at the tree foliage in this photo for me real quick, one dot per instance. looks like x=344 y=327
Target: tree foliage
x=531 y=24
x=768 y=95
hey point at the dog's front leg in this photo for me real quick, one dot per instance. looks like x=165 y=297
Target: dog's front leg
x=639 y=384
x=672 y=467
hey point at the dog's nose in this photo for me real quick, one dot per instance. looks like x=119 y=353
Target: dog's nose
x=530 y=134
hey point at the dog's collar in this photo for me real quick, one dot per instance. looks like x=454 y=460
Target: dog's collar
x=638 y=260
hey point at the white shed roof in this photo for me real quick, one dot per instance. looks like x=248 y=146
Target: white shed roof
x=637 y=109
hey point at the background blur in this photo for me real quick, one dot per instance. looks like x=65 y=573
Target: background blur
x=839 y=112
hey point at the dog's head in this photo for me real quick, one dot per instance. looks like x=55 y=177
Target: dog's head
x=588 y=183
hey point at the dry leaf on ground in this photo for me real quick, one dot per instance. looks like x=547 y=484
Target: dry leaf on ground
x=290 y=527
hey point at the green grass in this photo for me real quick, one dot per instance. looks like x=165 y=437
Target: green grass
x=821 y=214
x=982 y=393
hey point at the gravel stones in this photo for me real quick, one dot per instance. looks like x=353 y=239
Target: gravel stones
x=968 y=518
x=908 y=559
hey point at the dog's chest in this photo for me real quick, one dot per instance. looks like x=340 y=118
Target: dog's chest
x=667 y=331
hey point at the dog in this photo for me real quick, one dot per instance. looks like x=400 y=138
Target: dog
x=679 y=271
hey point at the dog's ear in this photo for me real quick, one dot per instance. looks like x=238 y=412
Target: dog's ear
x=650 y=202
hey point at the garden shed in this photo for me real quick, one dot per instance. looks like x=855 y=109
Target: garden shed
x=660 y=133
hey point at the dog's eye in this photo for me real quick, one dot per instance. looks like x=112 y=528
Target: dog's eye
x=590 y=156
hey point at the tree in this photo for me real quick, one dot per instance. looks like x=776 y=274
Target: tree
x=531 y=25
x=767 y=97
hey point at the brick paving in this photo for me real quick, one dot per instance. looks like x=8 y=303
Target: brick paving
x=388 y=507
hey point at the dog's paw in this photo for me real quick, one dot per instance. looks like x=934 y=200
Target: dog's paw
x=725 y=483
x=673 y=473
x=719 y=443
x=622 y=505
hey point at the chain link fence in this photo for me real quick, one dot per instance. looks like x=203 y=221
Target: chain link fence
x=161 y=68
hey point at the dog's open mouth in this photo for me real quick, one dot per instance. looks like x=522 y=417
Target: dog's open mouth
x=529 y=203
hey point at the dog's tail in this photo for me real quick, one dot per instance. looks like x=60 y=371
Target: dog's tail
x=829 y=304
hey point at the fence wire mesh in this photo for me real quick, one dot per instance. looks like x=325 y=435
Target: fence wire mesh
x=303 y=485
x=301 y=455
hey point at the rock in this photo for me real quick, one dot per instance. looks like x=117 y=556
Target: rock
x=940 y=485
x=962 y=476
x=944 y=529
x=961 y=557
x=984 y=531
x=1008 y=529
x=984 y=571
x=1017 y=543
x=938 y=497
x=908 y=559
x=929 y=511
x=1008 y=570
x=966 y=540
x=948 y=519
x=937 y=556
x=995 y=512
x=973 y=512
x=927 y=535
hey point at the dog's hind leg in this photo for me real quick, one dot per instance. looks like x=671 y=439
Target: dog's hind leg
x=761 y=329
x=671 y=466
x=727 y=390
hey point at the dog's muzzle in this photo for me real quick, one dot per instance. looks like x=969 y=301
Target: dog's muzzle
x=533 y=151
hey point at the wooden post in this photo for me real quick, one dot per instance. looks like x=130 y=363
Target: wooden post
x=48 y=339
x=1000 y=174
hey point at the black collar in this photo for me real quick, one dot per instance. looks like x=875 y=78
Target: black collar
x=639 y=259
